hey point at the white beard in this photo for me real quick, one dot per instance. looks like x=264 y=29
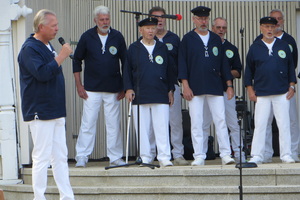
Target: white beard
x=102 y=30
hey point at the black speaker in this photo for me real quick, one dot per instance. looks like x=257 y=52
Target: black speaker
x=275 y=138
x=187 y=139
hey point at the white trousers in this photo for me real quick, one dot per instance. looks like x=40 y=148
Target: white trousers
x=176 y=128
x=91 y=108
x=154 y=116
x=295 y=131
x=231 y=122
x=263 y=106
x=49 y=146
x=217 y=109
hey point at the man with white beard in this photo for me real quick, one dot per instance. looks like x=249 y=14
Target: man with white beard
x=102 y=48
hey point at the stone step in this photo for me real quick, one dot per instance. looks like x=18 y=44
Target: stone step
x=213 y=175
x=24 y=192
x=212 y=181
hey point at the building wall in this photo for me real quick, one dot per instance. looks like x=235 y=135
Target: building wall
x=75 y=16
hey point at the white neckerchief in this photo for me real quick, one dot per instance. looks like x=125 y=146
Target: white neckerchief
x=103 y=39
x=205 y=39
x=150 y=49
x=270 y=46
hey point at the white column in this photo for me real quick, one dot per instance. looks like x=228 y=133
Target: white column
x=9 y=11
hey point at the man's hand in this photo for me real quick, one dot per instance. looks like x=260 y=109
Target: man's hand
x=121 y=95
x=80 y=89
x=171 y=98
x=81 y=92
x=129 y=95
x=290 y=93
x=230 y=93
x=65 y=51
x=187 y=92
x=251 y=93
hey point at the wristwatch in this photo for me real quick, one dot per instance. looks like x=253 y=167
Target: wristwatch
x=293 y=87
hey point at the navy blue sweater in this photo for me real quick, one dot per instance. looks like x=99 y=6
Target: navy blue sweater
x=172 y=41
x=203 y=73
x=42 y=82
x=270 y=75
x=102 y=72
x=153 y=78
x=292 y=44
x=233 y=57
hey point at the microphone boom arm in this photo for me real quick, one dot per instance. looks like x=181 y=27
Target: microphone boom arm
x=177 y=16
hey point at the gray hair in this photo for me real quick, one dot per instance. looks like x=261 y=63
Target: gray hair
x=101 y=10
x=40 y=18
x=277 y=10
x=214 y=21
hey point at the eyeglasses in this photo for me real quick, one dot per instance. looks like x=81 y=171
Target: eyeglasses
x=221 y=27
x=278 y=18
x=268 y=26
x=205 y=19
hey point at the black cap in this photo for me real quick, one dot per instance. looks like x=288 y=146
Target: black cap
x=148 y=21
x=201 y=11
x=268 y=20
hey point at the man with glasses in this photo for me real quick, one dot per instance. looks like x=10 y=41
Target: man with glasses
x=201 y=66
x=294 y=124
x=270 y=81
x=172 y=41
x=219 y=26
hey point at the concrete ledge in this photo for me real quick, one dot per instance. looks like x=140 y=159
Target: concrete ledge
x=165 y=190
x=24 y=192
x=274 y=181
x=10 y=182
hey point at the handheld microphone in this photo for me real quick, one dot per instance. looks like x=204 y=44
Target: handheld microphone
x=62 y=42
x=176 y=17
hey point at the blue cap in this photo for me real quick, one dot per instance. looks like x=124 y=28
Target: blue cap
x=201 y=11
x=148 y=21
x=268 y=20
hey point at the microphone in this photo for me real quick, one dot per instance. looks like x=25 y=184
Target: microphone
x=177 y=16
x=62 y=42
x=242 y=31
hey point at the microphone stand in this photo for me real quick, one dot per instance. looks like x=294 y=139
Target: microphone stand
x=243 y=116
x=138 y=160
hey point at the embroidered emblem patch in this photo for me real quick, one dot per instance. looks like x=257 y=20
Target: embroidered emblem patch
x=229 y=53
x=113 y=50
x=215 y=51
x=281 y=54
x=170 y=46
x=159 y=60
